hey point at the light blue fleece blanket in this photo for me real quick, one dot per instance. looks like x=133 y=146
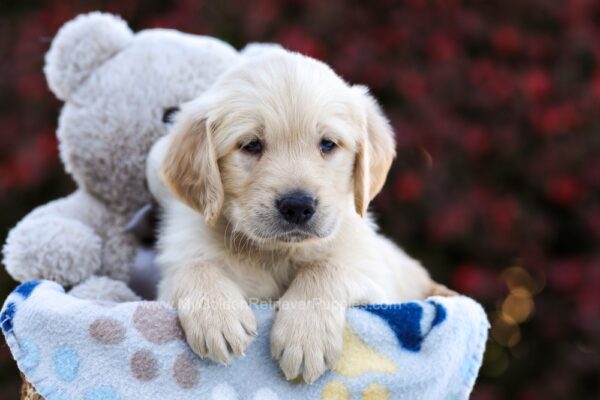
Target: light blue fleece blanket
x=82 y=349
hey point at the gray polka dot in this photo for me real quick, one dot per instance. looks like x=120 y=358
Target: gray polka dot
x=157 y=324
x=144 y=365
x=185 y=372
x=107 y=331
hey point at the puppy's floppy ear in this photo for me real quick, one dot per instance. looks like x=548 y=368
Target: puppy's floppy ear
x=376 y=151
x=190 y=166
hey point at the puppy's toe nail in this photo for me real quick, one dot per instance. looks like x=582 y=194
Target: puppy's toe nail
x=331 y=364
x=252 y=333
x=225 y=360
x=290 y=375
x=310 y=379
x=313 y=373
x=276 y=351
x=331 y=360
x=291 y=361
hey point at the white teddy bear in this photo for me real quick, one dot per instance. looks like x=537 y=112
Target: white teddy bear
x=119 y=90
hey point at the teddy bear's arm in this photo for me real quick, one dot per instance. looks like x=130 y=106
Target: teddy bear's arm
x=57 y=241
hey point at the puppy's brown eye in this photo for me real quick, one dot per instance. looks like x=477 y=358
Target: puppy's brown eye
x=253 y=147
x=327 y=146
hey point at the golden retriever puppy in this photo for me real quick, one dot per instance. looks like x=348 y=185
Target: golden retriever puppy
x=272 y=171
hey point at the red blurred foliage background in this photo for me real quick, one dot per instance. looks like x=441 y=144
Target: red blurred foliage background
x=496 y=106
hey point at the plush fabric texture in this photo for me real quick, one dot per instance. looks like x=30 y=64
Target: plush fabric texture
x=116 y=86
x=71 y=348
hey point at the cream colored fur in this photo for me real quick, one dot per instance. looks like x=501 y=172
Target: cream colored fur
x=221 y=245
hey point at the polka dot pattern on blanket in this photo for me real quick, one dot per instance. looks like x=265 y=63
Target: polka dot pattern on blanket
x=111 y=351
x=144 y=365
x=185 y=372
x=157 y=324
x=107 y=331
x=66 y=363
x=101 y=393
x=31 y=355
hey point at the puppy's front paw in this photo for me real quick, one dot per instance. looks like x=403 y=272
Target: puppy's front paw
x=307 y=341
x=219 y=330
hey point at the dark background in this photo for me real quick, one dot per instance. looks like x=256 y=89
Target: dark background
x=496 y=105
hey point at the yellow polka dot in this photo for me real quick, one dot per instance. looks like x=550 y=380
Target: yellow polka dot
x=376 y=392
x=357 y=358
x=335 y=390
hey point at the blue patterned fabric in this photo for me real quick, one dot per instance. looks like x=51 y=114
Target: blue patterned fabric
x=82 y=349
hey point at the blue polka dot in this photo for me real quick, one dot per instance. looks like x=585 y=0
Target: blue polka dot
x=30 y=355
x=440 y=313
x=405 y=321
x=6 y=318
x=66 y=363
x=26 y=288
x=101 y=393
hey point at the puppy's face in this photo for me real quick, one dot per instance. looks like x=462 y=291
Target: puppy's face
x=282 y=148
x=289 y=179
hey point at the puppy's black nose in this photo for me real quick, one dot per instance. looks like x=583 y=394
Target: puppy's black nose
x=296 y=207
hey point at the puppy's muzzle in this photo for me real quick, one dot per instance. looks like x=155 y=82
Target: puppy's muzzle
x=296 y=207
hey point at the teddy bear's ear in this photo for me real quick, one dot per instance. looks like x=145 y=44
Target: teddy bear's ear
x=80 y=46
